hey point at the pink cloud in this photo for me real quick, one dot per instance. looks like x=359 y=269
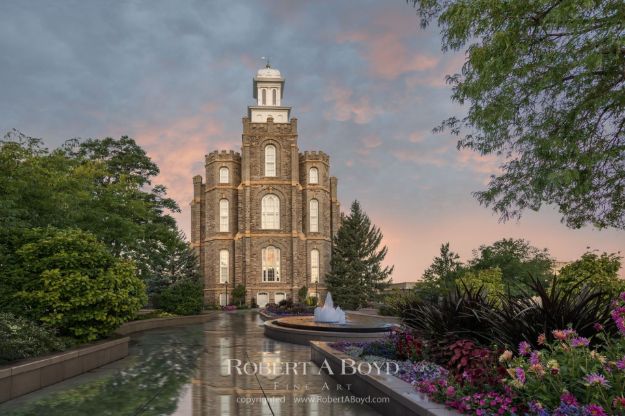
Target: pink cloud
x=423 y=156
x=345 y=107
x=369 y=143
x=385 y=46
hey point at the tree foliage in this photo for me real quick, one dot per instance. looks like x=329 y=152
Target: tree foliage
x=100 y=186
x=518 y=261
x=489 y=281
x=544 y=82
x=599 y=271
x=440 y=276
x=183 y=298
x=69 y=281
x=357 y=274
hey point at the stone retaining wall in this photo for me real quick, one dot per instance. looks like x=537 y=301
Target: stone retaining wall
x=146 y=324
x=403 y=399
x=23 y=377
x=29 y=375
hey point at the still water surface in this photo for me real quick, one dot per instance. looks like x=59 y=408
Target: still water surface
x=185 y=371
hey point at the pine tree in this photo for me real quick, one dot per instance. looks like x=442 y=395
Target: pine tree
x=357 y=274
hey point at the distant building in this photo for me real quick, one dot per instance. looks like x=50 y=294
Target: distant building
x=400 y=286
x=557 y=265
x=265 y=217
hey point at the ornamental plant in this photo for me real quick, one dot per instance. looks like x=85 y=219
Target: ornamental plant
x=473 y=364
x=72 y=283
x=569 y=374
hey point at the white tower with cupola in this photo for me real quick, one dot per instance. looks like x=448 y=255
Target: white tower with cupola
x=268 y=90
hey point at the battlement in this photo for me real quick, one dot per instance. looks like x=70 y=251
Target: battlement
x=310 y=155
x=269 y=127
x=223 y=156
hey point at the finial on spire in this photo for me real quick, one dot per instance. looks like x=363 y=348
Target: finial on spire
x=267 y=63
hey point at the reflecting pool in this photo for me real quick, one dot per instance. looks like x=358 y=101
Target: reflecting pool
x=222 y=367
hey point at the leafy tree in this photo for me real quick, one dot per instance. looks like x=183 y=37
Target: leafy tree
x=357 y=274
x=517 y=260
x=544 y=84
x=596 y=271
x=440 y=276
x=183 y=298
x=70 y=281
x=238 y=294
x=302 y=293
x=100 y=186
x=487 y=280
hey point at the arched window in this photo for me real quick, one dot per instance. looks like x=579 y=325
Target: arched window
x=270 y=212
x=270 y=160
x=314 y=216
x=271 y=264
x=224 y=216
x=224 y=260
x=314 y=266
x=264 y=96
x=313 y=175
x=273 y=97
x=224 y=176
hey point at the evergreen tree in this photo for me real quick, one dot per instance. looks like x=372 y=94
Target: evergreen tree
x=357 y=274
x=440 y=276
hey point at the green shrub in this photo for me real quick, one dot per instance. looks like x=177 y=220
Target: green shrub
x=182 y=298
x=238 y=295
x=21 y=338
x=71 y=282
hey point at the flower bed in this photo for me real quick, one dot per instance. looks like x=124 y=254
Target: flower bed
x=572 y=375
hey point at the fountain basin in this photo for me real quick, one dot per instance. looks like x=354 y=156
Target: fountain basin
x=303 y=329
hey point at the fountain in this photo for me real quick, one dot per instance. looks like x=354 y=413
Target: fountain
x=328 y=313
x=328 y=324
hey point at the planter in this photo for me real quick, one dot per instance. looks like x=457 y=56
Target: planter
x=33 y=374
x=403 y=399
x=146 y=324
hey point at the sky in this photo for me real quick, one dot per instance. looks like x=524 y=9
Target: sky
x=365 y=81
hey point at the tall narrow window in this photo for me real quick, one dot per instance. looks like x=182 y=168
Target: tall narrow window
x=224 y=175
x=264 y=96
x=273 y=96
x=224 y=216
x=270 y=212
x=313 y=175
x=224 y=260
x=314 y=266
x=270 y=160
x=271 y=264
x=314 y=216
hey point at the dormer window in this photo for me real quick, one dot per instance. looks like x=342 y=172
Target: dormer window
x=313 y=176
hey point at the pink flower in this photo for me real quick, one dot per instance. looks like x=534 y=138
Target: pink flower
x=618 y=316
x=520 y=374
x=524 y=348
x=580 y=342
x=619 y=403
x=568 y=399
x=620 y=364
x=595 y=379
x=562 y=334
x=535 y=358
x=598 y=327
x=594 y=410
x=541 y=339
x=451 y=391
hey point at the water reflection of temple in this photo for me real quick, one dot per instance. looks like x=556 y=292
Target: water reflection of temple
x=215 y=388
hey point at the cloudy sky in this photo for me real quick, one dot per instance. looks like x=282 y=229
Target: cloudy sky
x=365 y=81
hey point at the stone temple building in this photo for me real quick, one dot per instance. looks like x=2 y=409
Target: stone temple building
x=265 y=217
